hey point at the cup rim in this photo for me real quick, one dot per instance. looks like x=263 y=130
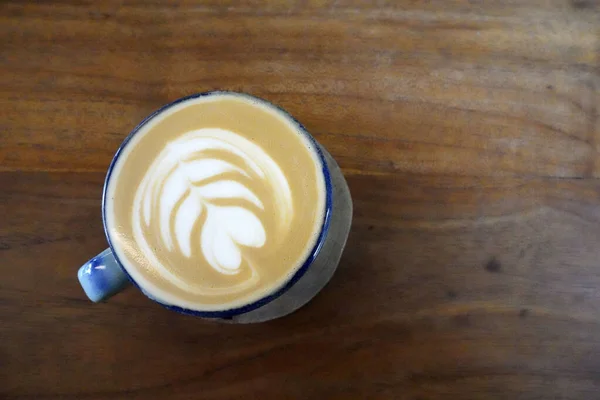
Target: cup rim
x=230 y=313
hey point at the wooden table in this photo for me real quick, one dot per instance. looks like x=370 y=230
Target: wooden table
x=469 y=133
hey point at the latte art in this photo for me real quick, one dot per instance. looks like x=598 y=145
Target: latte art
x=215 y=202
x=197 y=199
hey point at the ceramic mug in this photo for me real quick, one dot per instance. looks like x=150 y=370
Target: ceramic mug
x=103 y=276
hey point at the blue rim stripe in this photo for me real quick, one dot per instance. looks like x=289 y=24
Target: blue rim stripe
x=228 y=314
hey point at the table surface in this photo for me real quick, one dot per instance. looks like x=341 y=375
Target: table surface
x=468 y=131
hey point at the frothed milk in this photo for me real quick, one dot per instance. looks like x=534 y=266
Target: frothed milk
x=215 y=202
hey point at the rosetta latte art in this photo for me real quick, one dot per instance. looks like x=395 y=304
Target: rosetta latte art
x=197 y=198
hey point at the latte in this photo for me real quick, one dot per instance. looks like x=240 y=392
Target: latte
x=215 y=202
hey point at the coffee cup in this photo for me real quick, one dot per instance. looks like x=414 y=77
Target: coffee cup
x=223 y=206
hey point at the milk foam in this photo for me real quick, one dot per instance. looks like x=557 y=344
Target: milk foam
x=183 y=191
x=215 y=202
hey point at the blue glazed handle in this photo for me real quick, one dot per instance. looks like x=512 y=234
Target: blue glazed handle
x=101 y=277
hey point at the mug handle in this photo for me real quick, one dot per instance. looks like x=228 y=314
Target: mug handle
x=102 y=277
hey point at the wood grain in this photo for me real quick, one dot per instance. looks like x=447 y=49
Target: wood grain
x=469 y=132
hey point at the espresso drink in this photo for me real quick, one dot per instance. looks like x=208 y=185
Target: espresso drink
x=215 y=202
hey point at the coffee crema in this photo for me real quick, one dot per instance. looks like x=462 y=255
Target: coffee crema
x=215 y=202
